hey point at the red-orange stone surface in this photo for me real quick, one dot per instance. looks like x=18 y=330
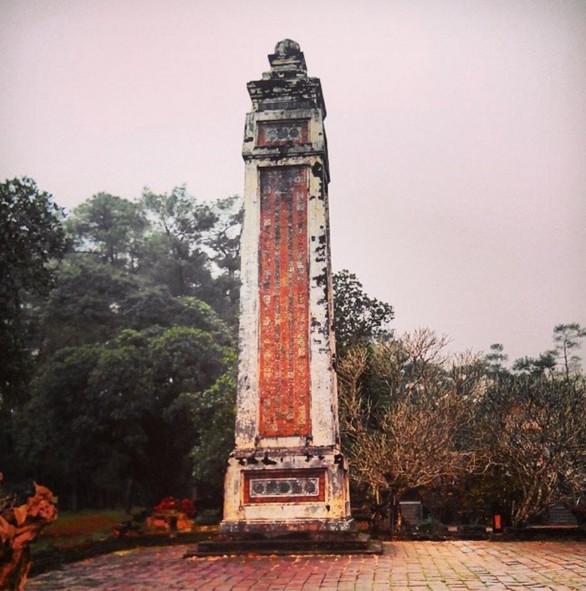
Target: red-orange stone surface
x=284 y=303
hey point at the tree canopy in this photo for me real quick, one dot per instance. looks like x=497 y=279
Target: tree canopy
x=133 y=327
x=465 y=433
x=32 y=238
x=358 y=317
x=118 y=375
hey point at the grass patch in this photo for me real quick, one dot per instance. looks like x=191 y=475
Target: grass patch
x=73 y=529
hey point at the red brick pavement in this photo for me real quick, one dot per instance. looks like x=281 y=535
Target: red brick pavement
x=405 y=566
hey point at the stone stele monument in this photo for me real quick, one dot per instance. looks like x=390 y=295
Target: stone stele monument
x=287 y=472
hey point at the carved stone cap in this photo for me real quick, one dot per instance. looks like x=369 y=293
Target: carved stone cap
x=287 y=48
x=288 y=59
x=287 y=85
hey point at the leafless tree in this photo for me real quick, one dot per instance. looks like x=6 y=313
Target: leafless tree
x=408 y=414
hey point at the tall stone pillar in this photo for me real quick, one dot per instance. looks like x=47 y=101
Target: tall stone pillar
x=287 y=472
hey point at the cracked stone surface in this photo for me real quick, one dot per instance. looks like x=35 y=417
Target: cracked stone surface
x=405 y=566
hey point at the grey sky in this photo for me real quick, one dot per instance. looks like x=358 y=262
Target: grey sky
x=456 y=128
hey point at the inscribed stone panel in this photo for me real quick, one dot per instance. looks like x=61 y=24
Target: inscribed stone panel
x=281 y=486
x=278 y=133
x=284 y=385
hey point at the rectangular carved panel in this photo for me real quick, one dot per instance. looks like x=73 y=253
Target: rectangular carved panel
x=279 y=133
x=284 y=486
x=284 y=384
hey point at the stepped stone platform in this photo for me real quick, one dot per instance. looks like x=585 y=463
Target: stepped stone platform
x=283 y=544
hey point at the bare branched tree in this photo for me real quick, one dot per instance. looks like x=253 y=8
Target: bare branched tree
x=408 y=416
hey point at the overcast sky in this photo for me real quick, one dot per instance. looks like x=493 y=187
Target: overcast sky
x=456 y=129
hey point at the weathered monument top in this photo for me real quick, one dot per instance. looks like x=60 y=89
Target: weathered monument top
x=286 y=85
x=287 y=61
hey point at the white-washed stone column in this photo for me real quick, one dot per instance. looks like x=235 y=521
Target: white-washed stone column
x=287 y=471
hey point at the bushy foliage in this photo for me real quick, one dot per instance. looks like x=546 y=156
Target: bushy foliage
x=31 y=240
x=137 y=324
x=359 y=318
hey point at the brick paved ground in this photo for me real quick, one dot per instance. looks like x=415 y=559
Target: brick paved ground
x=405 y=566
